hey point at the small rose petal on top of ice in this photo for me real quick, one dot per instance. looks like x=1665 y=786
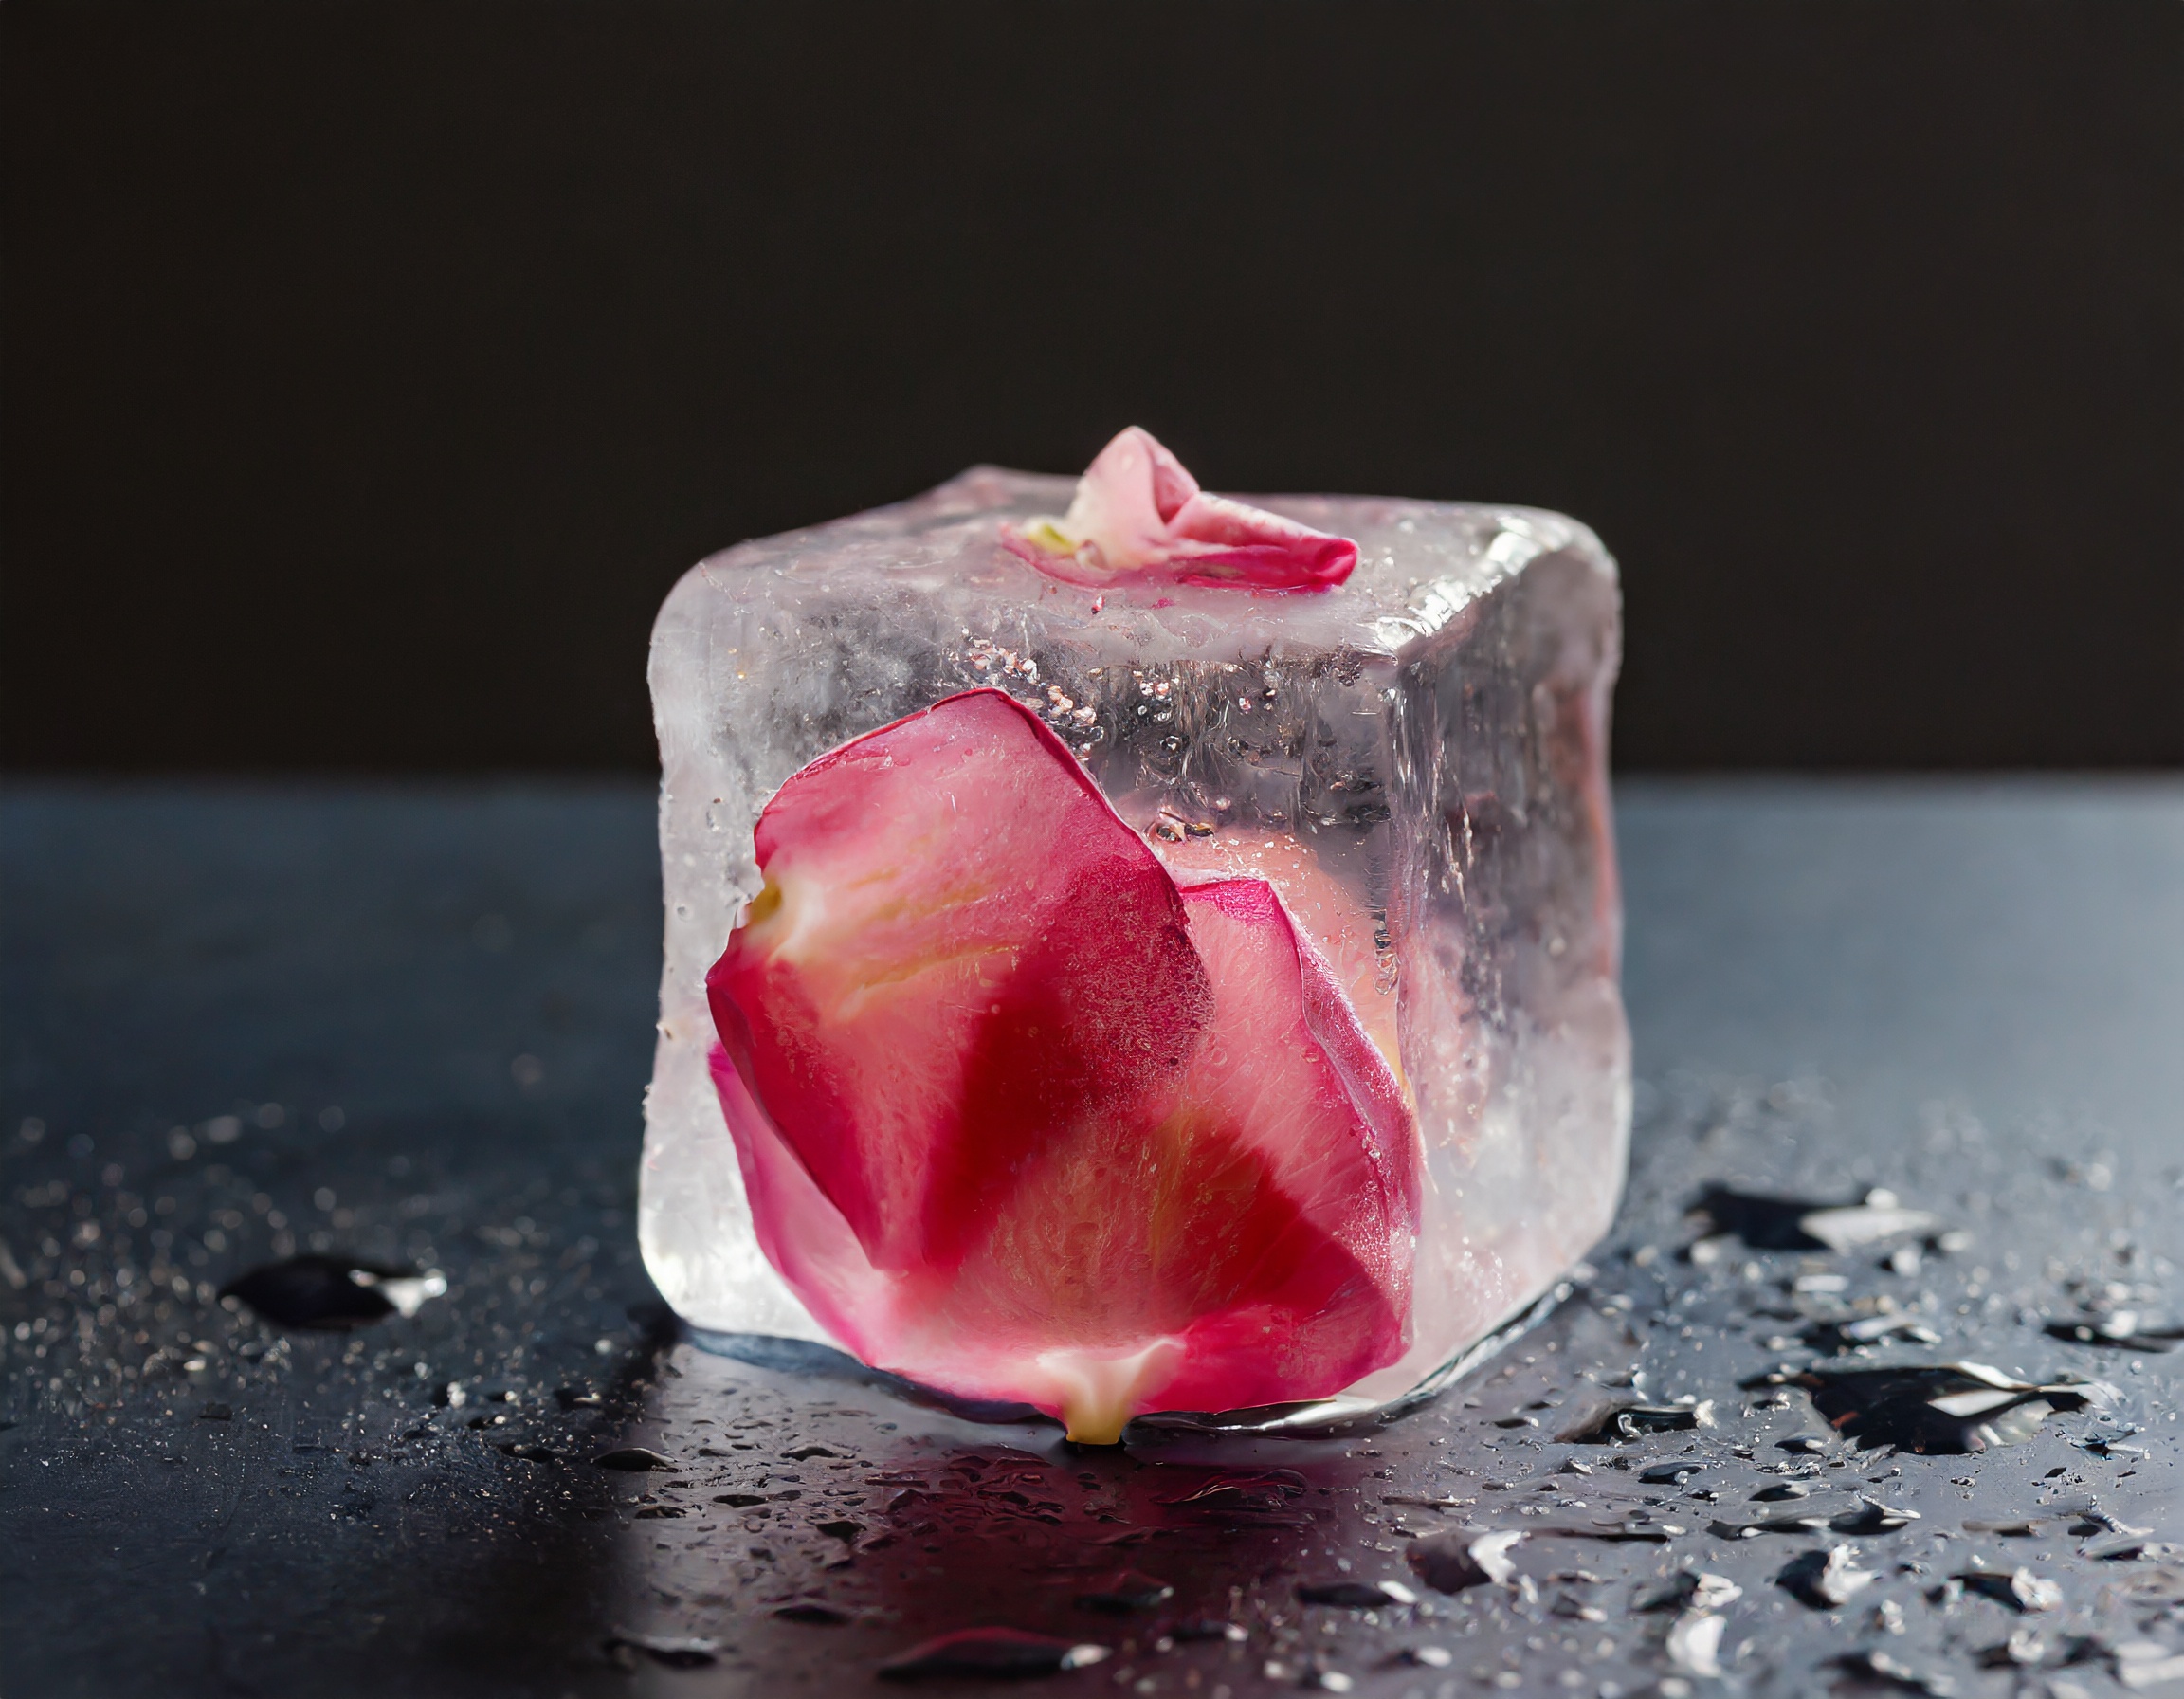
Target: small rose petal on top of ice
x=1139 y=513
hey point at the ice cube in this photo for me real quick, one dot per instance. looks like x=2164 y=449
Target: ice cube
x=1415 y=756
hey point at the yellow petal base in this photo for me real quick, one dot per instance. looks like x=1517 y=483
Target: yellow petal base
x=1099 y=1394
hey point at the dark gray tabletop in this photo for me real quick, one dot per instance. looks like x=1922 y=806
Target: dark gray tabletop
x=413 y=1026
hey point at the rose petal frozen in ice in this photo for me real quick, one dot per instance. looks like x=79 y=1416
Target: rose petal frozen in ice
x=1018 y=1118
x=1138 y=512
x=1335 y=917
x=1428 y=740
x=958 y=953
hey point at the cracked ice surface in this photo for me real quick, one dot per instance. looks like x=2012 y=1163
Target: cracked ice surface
x=1416 y=760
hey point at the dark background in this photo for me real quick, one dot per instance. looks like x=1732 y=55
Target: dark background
x=372 y=369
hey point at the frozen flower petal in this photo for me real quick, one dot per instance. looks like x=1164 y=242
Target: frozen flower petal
x=1019 y=1119
x=1138 y=512
x=958 y=953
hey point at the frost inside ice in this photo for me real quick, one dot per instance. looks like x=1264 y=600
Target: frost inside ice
x=1414 y=758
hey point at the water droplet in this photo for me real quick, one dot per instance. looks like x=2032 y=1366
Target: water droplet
x=1620 y=1424
x=1208 y=1628
x=635 y=1457
x=677 y=1652
x=1688 y=1590
x=1451 y=1563
x=1948 y=1408
x=993 y=1653
x=1695 y=1643
x=1800 y=1224
x=815 y=1612
x=332 y=1293
x=1888 y=1670
x=1871 y=1517
x=1356 y=1595
x=2020 y=1588
x=1826 y=1580
x=1126 y=1590
x=2117 y=1331
x=2145 y=1664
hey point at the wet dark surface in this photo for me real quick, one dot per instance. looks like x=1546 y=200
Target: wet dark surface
x=409 y=1030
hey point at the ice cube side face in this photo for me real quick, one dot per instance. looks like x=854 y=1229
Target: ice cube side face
x=1417 y=759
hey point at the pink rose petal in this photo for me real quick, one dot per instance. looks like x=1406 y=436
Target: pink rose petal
x=1137 y=513
x=959 y=952
x=1020 y=1120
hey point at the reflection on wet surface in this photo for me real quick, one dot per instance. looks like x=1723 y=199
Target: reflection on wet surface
x=1702 y=1474
x=819 y=1527
x=1699 y=1468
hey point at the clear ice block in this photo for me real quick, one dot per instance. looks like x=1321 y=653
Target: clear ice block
x=1415 y=759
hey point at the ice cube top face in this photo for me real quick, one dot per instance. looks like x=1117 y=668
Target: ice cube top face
x=1411 y=759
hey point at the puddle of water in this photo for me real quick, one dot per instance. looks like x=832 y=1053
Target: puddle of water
x=332 y=1293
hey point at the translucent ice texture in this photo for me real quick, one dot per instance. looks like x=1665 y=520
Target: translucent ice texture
x=1415 y=760
x=1021 y=1119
